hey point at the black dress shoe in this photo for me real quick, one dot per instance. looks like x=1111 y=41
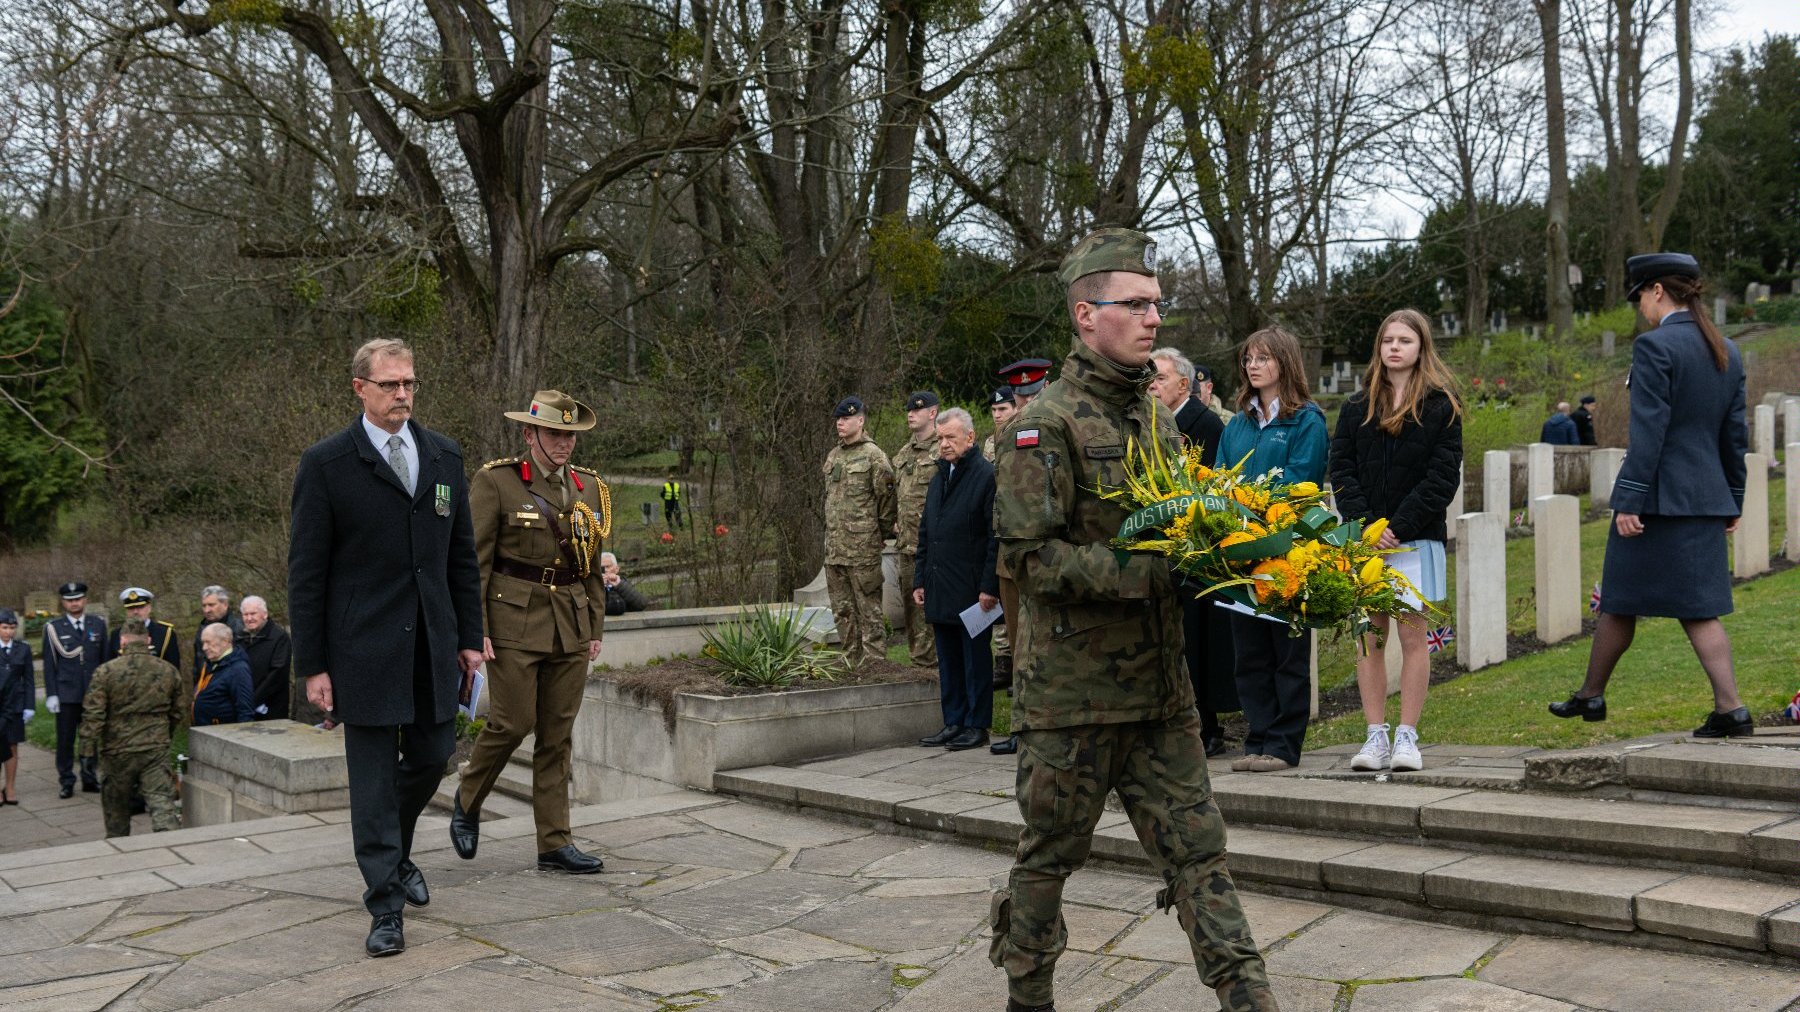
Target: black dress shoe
x=67 y=792
x=1215 y=745
x=566 y=858
x=1589 y=709
x=1007 y=747
x=1736 y=724
x=942 y=737
x=465 y=830
x=968 y=737
x=387 y=937
x=412 y=882
x=1017 y=1006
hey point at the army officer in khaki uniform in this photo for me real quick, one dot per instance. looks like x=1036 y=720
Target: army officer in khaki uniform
x=538 y=525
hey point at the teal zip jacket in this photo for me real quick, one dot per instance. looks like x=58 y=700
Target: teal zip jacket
x=1298 y=444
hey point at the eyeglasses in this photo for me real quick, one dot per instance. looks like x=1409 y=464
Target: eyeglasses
x=1250 y=360
x=389 y=386
x=1137 y=307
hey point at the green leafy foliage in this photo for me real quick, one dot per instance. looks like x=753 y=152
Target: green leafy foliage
x=42 y=473
x=905 y=256
x=766 y=648
x=407 y=297
x=249 y=13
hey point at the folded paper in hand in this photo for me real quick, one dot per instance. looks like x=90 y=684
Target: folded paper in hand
x=475 y=688
x=974 y=619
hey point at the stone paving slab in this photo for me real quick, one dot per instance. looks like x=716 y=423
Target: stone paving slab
x=1632 y=980
x=1455 y=994
x=1358 y=946
x=76 y=994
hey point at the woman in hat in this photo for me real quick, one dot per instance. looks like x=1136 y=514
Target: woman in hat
x=18 y=691
x=1679 y=493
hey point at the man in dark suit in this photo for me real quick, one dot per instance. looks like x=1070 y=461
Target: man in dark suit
x=954 y=569
x=1210 y=658
x=215 y=606
x=164 y=646
x=74 y=645
x=384 y=593
x=270 y=652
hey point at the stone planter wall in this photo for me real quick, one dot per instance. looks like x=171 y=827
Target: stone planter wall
x=254 y=771
x=623 y=750
x=642 y=636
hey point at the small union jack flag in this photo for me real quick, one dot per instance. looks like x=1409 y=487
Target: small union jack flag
x=1594 y=600
x=1793 y=708
x=1439 y=638
x=1518 y=519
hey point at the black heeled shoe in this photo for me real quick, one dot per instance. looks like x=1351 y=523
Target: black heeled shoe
x=1589 y=709
x=1736 y=724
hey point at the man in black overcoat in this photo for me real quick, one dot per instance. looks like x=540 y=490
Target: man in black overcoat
x=1211 y=665
x=384 y=593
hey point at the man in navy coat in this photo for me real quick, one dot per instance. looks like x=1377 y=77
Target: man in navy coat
x=74 y=645
x=384 y=591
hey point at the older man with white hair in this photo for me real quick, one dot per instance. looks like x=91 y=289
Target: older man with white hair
x=223 y=694
x=621 y=596
x=215 y=606
x=270 y=652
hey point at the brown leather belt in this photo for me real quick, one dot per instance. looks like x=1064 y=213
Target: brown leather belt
x=545 y=575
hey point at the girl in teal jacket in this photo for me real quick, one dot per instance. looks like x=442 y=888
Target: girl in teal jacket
x=1278 y=425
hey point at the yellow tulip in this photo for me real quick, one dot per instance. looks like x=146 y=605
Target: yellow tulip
x=1371 y=572
x=1372 y=536
x=1303 y=490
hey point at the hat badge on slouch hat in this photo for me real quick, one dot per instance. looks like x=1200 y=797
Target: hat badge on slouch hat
x=553 y=409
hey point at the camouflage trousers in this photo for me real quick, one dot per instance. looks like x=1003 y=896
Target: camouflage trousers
x=920 y=641
x=130 y=773
x=856 y=605
x=1159 y=770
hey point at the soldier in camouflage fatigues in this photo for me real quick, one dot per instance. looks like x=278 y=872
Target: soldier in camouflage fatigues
x=1001 y=405
x=131 y=712
x=914 y=464
x=859 y=513
x=1102 y=700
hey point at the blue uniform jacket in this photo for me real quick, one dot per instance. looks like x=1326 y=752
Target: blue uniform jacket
x=227 y=698
x=1297 y=444
x=70 y=659
x=1686 y=456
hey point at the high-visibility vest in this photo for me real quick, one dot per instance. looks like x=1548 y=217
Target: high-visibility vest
x=671 y=491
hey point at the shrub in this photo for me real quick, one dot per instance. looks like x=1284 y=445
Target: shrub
x=769 y=649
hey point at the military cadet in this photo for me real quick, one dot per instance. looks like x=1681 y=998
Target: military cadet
x=164 y=645
x=1001 y=407
x=539 y=521
x=859 y=511
x=133 y=710
x=74 y=645
x=915 y=462
x=1025 y=379
x=1102 y=699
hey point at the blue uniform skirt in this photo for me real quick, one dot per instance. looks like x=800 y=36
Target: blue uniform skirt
x=1677 y=568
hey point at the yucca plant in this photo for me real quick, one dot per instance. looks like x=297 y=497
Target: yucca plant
x=766 y=648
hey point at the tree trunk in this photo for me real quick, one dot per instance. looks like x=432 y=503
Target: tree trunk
x=1556 y=201
x=1684 y=108
x=1628 y=89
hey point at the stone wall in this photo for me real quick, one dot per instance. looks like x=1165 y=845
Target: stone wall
x=254 y=771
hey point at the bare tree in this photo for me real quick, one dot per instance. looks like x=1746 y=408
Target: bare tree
x=1556 y=198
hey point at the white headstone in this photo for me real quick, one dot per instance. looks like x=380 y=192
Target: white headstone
x=1763 y=432
x=1793 y=503
x=1540 y=474
x=1750 y=545
x=1603 y=471
x=1556 y=546
x=1312 y=648
x=1719 y=311
x=1790 y=425
x=1496 y=483
x=1456 y=503
x=1609 y=343
x=1480 y=589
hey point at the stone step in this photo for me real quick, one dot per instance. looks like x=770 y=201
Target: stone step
x=1759 y=772
x=499 y=804
x=1661 y=907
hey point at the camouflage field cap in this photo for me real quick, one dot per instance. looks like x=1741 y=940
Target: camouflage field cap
x=553 y=409
x=1110 y=249
x=135 y=626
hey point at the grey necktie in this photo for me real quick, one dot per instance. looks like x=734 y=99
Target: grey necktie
x=397 y=460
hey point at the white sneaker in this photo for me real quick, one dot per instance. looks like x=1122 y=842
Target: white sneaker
x=1406 y=749
x=1375 y=751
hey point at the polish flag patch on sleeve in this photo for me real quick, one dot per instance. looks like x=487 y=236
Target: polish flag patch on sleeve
x=1024 y=438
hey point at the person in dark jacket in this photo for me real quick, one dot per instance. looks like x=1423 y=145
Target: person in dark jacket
x=384 y=597
x=215 y=606
x=1397 y=455
x=1584 y=420
x=621 y=596
x=1206 y=630
x=1678 y=494
x=18 y=694
x=270 y=652
x=74 y=645
x=955 y=569
x=1277 y=426
x=1559 y=429
x=224 y=694
x=164 y=644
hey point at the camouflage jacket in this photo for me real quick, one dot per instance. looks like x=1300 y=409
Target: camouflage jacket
x=1100 y=638
x=915 y=462
x=859 y=503
x=134 y=705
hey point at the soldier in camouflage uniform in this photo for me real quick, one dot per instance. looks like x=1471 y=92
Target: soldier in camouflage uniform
x=1025 y=379
x=914 y=464
x=859 y=513
x=1102 y=700
x=131 y=712
x=1001 y=407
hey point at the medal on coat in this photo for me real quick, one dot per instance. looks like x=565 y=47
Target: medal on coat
x=443 y=500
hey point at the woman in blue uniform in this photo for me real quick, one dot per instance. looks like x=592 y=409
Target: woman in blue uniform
x=1679 y=493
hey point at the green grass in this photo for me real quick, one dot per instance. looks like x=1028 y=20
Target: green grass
x=1658 y=686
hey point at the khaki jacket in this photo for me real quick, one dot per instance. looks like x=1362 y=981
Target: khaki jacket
x=915 y=462
x=859 y=503
x=509 y=524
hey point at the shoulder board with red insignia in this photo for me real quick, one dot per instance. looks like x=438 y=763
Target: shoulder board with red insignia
x=1024 y=438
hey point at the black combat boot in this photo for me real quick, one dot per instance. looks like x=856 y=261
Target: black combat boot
x=1002 y=672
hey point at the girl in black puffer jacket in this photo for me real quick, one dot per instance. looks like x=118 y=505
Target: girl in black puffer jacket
x=1397 y=454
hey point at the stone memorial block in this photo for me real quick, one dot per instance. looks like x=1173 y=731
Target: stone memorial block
x=1496 y=483
x=1540 y=474
x=1609 y=343
x=1456 y=503
x=44 y=601
x=1750 y=545
x=1603 y=471
x=1556 y=545
x=1793 y=503
x=1762 y=433
x=1480 y=589
x=262 y=769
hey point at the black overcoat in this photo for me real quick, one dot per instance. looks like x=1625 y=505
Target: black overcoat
x=1409 y=478
x=957 y=550
x=1202 y=428
x=366 y=563
x=18 y=691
